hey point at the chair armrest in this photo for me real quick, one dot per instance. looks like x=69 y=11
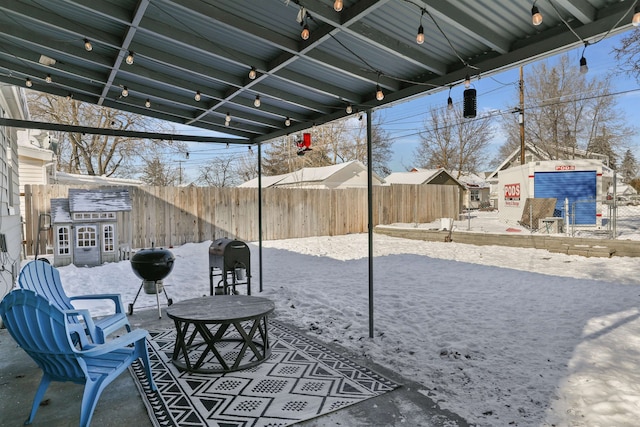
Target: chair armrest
x=88 y=328
x=117 y=343
x=117 y=300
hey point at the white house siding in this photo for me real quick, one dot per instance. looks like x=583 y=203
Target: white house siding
x=12 y=105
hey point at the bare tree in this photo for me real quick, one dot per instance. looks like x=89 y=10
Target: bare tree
x=629 y=54
x=91 y=154
x=336 y=142
x=158 y=172
x=453 y=142
x=567 y=111
x=219 y=172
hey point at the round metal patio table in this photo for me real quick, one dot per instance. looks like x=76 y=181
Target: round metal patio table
x=205 y=325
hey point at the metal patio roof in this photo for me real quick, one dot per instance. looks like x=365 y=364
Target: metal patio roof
x=184 y=47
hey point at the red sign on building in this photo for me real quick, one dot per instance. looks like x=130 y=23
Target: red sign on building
x=512 y=191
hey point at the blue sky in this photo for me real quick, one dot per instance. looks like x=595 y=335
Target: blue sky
x=499 y=92
x=404 y=121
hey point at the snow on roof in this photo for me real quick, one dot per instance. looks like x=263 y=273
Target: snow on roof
x=70 y=179
x=99 y=200
x=419 y=176
x=317 y=174
x=60 y=211
x=267 y=181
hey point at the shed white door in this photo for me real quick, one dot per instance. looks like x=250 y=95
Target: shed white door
x=87 y=246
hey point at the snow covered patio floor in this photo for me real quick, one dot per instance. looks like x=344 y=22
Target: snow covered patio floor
x=121 y=405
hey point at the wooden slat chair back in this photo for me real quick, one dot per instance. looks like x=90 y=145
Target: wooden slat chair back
x=42 y=330
x=44 y=279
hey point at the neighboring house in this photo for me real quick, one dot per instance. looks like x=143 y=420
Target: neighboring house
x=423 y=176
x=427 y=177
x=12 y=105
x=86 y=228
x=351 y=174
x=477 y=188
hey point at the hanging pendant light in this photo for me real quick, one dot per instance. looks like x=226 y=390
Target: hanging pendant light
x=583 y=65
x=253 y=73
x=87 y=45
x=256 y=102
x=338 y=5
x=536 y=16
x=129 y=58
x=379 y=93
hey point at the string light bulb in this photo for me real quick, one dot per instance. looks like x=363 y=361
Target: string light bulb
x=147 y=103
x=129 y=58
x=338 y=5
x=256 y=102
x=253 y=73
x=536 y=16
x=125 y=91
x=584 y=69
x=197 y=96
x=379 y=93
x=87 y=45
x=48 y=79
x=227 y=119
x=420 y=36
x=449 y=104
x=349 y=109
x=467 y=80
x=287 y=122
x=305 y=32
x=28 y=82
x=636 y=16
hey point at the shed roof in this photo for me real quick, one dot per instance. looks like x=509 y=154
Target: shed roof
x=101 y=200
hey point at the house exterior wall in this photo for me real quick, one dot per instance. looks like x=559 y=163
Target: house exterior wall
x=12 y=105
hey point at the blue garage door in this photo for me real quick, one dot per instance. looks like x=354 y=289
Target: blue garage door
x=575 y=186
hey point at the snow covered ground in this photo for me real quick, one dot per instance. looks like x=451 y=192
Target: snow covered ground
x=502 y=336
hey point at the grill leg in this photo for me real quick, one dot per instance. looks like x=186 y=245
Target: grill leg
x=158 y=300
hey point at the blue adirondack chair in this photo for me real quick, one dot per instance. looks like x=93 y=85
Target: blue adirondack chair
x=44 y=279
x=43 y=331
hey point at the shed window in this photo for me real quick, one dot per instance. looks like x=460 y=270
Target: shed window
x=63 y=240
x=108 y=238
x=86 y=236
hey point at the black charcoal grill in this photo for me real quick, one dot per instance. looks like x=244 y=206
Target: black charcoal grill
x=152 y=266
x=230 y=260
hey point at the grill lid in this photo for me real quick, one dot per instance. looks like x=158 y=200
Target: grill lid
x=153 y=263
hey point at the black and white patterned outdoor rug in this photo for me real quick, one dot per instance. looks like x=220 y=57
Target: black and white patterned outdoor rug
x=301 y=380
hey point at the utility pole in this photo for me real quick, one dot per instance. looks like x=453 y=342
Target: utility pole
x=521 y=116
x=180 y=170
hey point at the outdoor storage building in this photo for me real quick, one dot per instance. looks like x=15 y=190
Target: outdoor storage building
x=582 y=183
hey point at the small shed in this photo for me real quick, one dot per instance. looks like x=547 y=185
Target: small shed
x=581 y=182
x=85 y=225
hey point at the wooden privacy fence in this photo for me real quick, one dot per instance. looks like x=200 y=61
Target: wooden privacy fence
x=170 y=216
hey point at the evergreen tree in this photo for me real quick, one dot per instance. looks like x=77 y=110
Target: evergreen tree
x=629 y=168
x=159 y=173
